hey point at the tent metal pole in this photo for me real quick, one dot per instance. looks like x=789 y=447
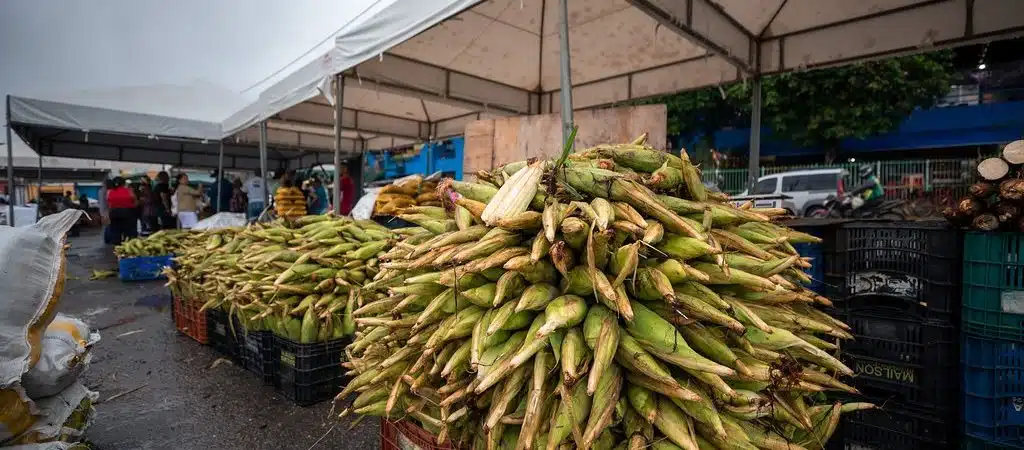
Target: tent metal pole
x=755 y=135
x=339 y=101
x=566 y=75
x=263 y=161
x=10 y=167
x=39 y=176
x=220 y=174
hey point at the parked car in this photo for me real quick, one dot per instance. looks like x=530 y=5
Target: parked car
x=807 y=190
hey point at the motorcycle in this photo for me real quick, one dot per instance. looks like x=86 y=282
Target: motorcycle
x=842 y=207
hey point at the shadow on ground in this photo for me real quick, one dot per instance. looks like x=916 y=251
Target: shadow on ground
x=174 y=395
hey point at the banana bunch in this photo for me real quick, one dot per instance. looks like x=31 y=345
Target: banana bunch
x=297 y=278
x=605 y=302
x=289 y=202
x=397 y=197
x=164 y=242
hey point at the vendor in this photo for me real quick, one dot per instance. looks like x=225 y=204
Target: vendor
x=187 y=198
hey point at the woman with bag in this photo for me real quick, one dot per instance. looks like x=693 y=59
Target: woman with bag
x=122 y=206
x=187 y=199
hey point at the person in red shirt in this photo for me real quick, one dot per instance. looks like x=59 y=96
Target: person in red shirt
x=348 y=192
x=123 y=208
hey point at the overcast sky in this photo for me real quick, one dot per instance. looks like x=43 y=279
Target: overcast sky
x=69 y=45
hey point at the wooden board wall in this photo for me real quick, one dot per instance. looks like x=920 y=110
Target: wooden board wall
x=493 y=142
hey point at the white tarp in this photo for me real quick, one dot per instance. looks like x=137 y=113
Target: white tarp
x=191 y=111
x=382 y=26
x=501 y=57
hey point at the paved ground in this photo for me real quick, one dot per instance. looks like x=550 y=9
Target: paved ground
x=185 y=398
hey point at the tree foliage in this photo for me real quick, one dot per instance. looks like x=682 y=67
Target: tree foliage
x=819 y=107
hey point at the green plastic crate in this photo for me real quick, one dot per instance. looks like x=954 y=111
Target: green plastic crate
x=993 y=288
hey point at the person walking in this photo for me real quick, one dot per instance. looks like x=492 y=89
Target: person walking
x=149 y=217
x=162 y=202
x=239 y=201
x=123 y=206
x=318 y=197
x=254 y=188
x=348 y=192
x=188 y=202
x=220 y=197
x=108 y=231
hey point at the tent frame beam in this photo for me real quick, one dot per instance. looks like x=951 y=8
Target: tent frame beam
x=723 y=36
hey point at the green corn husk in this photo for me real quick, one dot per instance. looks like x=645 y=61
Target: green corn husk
x=625 y=307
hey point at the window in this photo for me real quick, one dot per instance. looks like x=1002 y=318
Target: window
x=765 y=186
x=820 y=182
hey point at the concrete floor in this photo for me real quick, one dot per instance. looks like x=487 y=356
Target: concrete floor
x=183 y=399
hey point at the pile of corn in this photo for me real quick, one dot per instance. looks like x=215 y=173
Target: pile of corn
x=605 y=301
x=289 y=202
x=297 y=279
x=395 y=198
x=164 y=242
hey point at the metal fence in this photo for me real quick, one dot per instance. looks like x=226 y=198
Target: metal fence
x=902 y=179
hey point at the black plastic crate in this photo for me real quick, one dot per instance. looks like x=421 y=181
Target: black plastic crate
x=918 y=262
x=224 y=333
x=258 y=355
x=896 y=426
x=899 y=358
x=309 y=373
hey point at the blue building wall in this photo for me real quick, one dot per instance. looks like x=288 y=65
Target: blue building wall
x=445 y=156
x=953 y=126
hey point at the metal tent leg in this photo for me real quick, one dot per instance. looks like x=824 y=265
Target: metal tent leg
x=755 y=136
x=220 y=174
x=339 y=101
x=263 y=161
x=10 y=167
x=566 y=74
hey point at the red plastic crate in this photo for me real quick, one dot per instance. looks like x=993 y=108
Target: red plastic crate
x=189 y=320
x=401 y=435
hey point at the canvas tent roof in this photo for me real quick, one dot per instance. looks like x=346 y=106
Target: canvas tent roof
x=424 y=68
x=162 y=124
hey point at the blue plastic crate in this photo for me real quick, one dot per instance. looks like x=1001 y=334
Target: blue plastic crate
x=143 y=268
x=817 y=270
x=994 y=390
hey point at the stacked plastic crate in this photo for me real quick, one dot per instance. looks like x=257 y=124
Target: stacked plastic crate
x=993 y=340
x=901 y=296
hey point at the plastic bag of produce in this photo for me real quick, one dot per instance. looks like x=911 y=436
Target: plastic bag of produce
x=222 y=220
x=65 y=355
x=32 y=277
x=62 y=417
x=364 y=207
x=16 y=412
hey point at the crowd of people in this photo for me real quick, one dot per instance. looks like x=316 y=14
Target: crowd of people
x=151 y=205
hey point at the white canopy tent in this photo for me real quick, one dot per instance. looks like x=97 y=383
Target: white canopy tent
x=422 y=69
x=411 y=70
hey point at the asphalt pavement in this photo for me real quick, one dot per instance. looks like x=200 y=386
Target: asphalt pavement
x=162 y=390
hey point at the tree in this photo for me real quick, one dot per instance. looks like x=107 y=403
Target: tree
x=819 y=108
x=704 y=111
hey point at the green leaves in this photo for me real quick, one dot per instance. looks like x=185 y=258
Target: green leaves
x=819 y=107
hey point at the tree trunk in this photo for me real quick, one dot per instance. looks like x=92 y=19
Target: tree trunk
x=993 y=169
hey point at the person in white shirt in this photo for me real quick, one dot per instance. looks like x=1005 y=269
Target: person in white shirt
x=255 y=189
